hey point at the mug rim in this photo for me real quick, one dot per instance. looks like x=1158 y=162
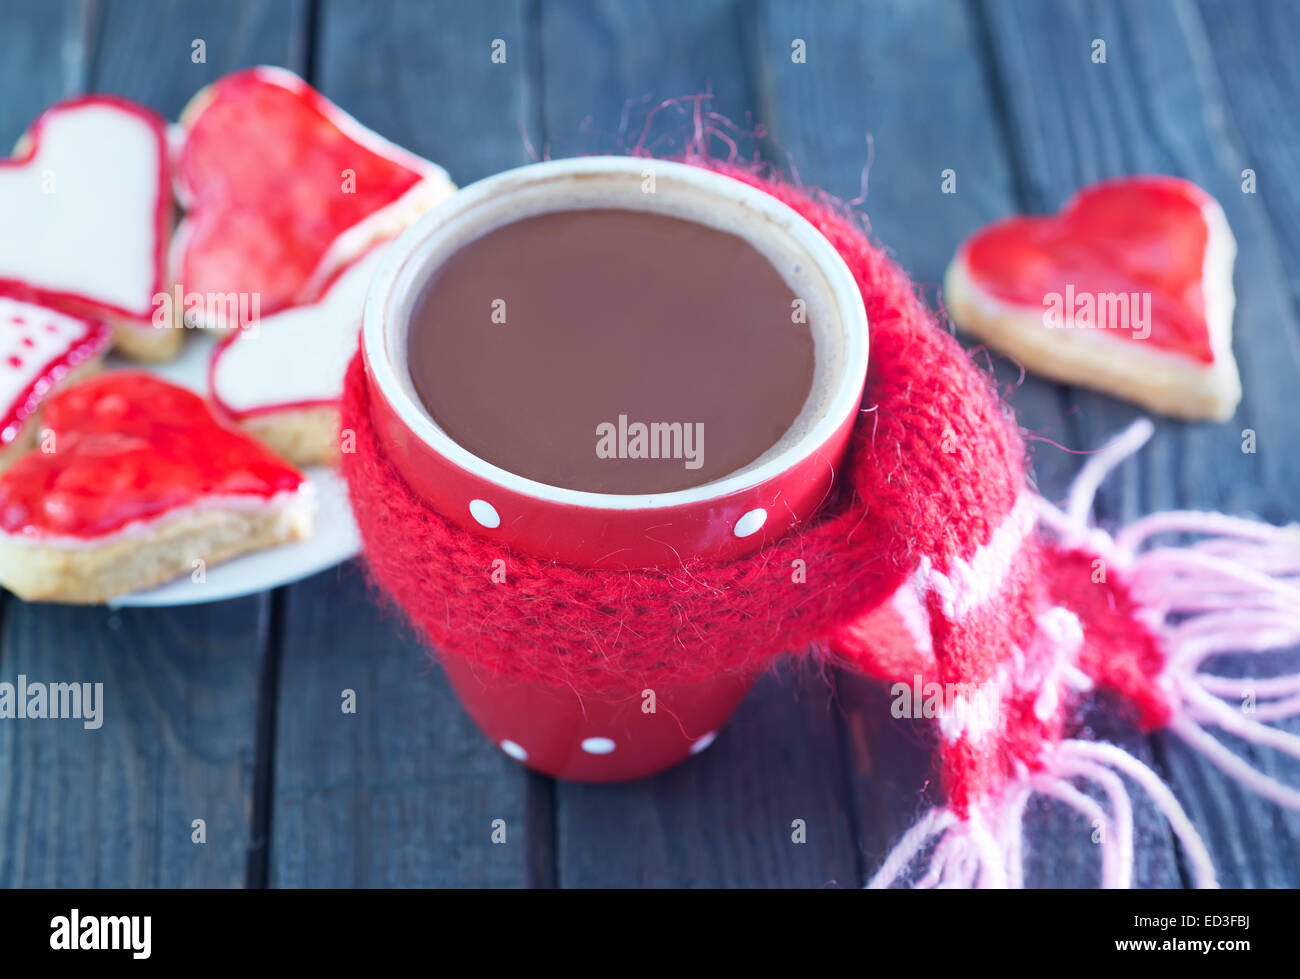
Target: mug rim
x=424 y=235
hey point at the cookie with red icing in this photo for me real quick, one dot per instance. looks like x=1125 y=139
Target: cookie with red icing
x=137 y=481
x=283 y=189
x=87 y=206
x=283 y=380
x=41 y=351
x=1127 y=290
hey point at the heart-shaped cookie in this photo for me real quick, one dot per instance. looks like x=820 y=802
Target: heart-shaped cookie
x=283 y=380
x=1127 y=290
x=137 y=481
x=41 y=350
x=87 y=208
x=283 y=189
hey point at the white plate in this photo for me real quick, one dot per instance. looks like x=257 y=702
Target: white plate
x=334 y=537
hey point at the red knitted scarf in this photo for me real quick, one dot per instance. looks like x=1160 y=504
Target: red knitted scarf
x=934 y=562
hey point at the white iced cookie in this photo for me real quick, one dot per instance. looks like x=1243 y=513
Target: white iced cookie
x=282 y=378
x=87 y=206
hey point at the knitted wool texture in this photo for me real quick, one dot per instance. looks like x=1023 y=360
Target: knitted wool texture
x=924 y=563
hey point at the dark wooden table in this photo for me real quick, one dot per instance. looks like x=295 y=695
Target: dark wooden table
x=229 y=713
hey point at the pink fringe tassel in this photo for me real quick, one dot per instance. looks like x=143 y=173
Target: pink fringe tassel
x=986 y=849
x=1236 y=591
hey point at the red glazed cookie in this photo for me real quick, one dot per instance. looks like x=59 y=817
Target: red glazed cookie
x=87 y=207
x=1127 y=290
x=284 y=189
x=138 y=482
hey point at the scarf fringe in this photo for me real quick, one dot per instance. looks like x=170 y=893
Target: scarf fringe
x=1235 y=592
x=985 y=849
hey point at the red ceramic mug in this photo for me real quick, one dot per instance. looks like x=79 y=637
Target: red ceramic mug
x=551 y=729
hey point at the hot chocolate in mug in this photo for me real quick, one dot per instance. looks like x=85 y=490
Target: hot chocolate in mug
x=616 y=363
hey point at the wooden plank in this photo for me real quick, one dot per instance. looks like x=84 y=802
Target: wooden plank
x=1156 y=106
x=423 y=76
x=401 y=793
x=607 y=64
x=114 y=806
x=30 y=78
x=726 y=817
x=1252 y=47
x=911 y=76
x=404 y=792
x=723 y=819
x=149 y=53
